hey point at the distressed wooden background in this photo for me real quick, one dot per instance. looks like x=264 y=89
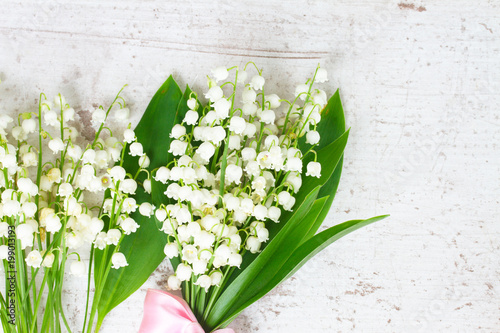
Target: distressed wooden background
x=420 y=84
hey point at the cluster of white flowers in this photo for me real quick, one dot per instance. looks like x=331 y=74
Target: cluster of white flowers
x=237 y=165
x=46 y=199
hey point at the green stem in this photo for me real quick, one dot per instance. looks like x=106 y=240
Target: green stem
x=226 y=147
x=47 y=315
x=92 y=250
x=100 y=288
x=37 y=305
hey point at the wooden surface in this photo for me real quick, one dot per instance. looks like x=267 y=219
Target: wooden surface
x=420 y=83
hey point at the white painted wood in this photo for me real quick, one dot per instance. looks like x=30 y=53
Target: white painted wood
x=420 y=84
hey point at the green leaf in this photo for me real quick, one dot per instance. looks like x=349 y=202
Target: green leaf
x=144 y=248
x=313 y=215
x=146 y=243
x=302 y=254
x=163 y=144
x=330 y=152
x=274 y=255
x=332 y=124
x=329 y=158
x=317 y=243
x=331 y=127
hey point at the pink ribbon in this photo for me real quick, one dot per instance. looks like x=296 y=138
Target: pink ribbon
x=167 y=313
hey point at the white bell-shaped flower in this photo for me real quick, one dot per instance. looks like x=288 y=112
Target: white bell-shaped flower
x=206 y=150
x=173 y=282
x=65 y=190
x=189 y=253
x=117 y=172
x=171 y=250
x=52 y=223
x=183 y=272
x=321 y=75
x=118 y=260
x=313 y=169
x=204 y=281
x=29 y=126
x=178 y=148
x=113 y=236
x=11 y=208
x=129 y=136
x=293 y=164
x=122 y=114
x=129 y=226
x=56 y=145
x=162 y=175
x=34 y=259
x=214 y=94
x=302 y=90
x=235 y=259
x=191 y=117
x=233 y=174
x=48 y=261
x=260 y=212
x=220 y=73
x=253 y=244
x=237 y=125
x=312 y=137
x=199 y=266
x=100 y=241
x=4 y=229
x=273 y=101
x=268 y=116
x=129 y=205
x=177 y=131
x=222 y=107
x=192 y=103
x=136 y=149
x=234 y=142
x=249 y=109
x=98 y=117
x=216 y=278
x=248 y=96
x=257 y=82
x=128 y=186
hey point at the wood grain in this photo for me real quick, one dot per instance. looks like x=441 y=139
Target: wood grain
x=420 y=84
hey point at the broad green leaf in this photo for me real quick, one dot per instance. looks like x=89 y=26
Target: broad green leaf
x=330 y=152
x=332 y=124
x=317 y=243
x=329 y=189
x=331 y=127
x=302 y=254
x=287 y=240
x=144 y=248
x=329 y=157
x=158 y=189
x=275 y=254
x=314 y=216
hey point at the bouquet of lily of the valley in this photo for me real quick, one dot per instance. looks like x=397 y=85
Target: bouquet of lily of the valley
x=58 y=192
x=240 y=185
